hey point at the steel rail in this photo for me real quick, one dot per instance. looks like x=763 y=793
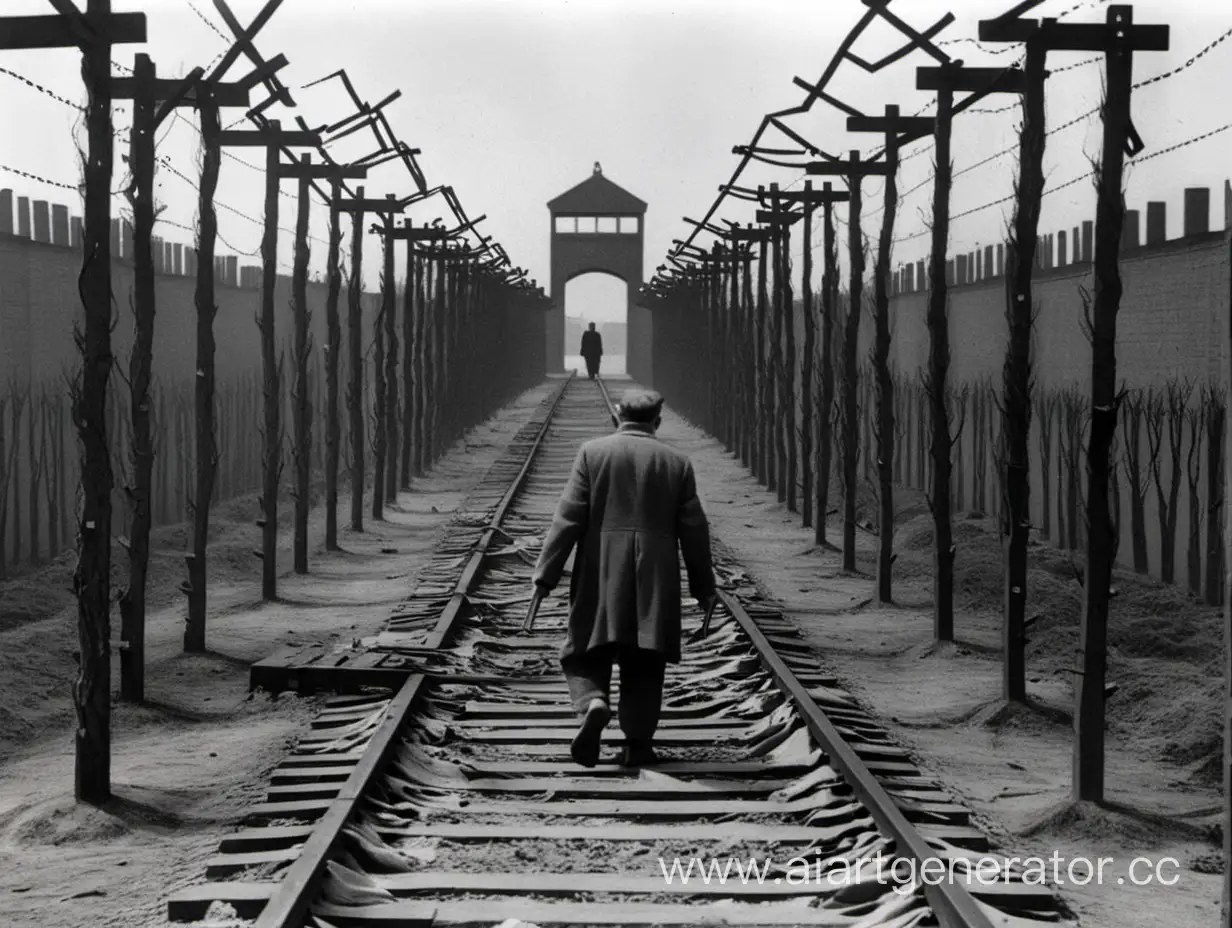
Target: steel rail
x=953 y=905
x=289 y=903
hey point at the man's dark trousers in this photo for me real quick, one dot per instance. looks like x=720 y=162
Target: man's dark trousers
x=592 y=367
x=641 y=685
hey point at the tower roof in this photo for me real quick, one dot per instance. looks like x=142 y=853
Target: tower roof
x=596 y=196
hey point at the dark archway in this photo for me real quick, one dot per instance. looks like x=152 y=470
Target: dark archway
x=598 y=227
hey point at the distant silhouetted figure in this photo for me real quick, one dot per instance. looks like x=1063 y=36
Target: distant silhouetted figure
x=592 y=350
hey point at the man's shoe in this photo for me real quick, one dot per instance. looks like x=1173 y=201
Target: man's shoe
x=585 y=747
x=638 y=754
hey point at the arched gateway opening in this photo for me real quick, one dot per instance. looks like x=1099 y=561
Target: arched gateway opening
x=600 y=299
x=598 y=234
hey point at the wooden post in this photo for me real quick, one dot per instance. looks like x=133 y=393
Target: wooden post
x=881 y=365
x=1117 y=38
x=1016 y=395
x=419 y=462
x=825 y=445
x=333 y=347
x=946 y=79
x=787 y=379
x=439 y=346
x=207 y=308
x=390 y=410
x=749 y=340
x=937 y=381
x=379 y=388
x=430 y=348
x=132 y=598
x=92 y=578
x=761 y=464
x=355 y=348
x=300 y=393
x=1226 y=906
x=851 y=371
x=806 y=365
x=890 y=125
x=272 y=377
x=778 y=456
x=1109 y=219
x=408 y=364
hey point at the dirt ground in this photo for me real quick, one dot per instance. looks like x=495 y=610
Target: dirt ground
x=1012 y=767
x=187 y=764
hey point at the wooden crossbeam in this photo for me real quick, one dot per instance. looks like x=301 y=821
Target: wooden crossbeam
x=778 y=217
x=990 y=80
x=814 y=196
x=422 y=234
x=228 y=94
x=261 y=138
x=890 y=123
x=55 y=31
x=846 y=168
x=749 y=235
x=1074 y=37
x=322 y=171
x=368 y=205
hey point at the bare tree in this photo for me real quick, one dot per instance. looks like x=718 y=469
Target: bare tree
x=1195 y=420
x=1137 y=472
x=1168 y=408
x=1215 y=403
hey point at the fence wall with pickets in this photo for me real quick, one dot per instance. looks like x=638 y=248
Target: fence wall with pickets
x=1172 y=323
x=39 y=461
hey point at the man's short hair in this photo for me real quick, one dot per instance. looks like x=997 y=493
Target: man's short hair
x=640 y=406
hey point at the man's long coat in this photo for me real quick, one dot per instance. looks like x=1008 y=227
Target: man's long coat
x=592 y=345
x=630 y=503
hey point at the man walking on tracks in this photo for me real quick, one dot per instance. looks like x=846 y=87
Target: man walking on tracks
x=630 y=501
x=592 y=350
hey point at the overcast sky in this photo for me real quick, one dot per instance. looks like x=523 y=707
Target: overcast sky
x=512 y=102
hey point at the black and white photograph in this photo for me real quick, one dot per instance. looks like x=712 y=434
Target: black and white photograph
x=615 y=463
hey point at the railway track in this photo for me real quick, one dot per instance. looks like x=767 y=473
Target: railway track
x=451 y=798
